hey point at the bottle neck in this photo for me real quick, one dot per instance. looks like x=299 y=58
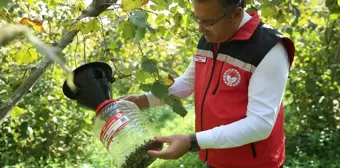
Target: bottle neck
x=104 y=104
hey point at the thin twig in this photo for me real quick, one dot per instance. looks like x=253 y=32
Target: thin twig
x=112 y=60
x=50 y=30
x=153 y=12
x=140 y=49
x=52 y=71
x=65 y=40
x=75 y=52
x=103 y=32
x=84 y=41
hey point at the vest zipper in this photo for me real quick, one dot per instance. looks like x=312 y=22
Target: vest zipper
x=253 y=149
x=218 y=81
x=206 y=91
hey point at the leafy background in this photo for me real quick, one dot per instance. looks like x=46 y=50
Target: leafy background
x=144 y=47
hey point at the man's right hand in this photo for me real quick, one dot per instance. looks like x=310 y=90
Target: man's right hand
x=140 y=100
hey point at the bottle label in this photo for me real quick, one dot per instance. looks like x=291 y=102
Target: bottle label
x=112 y=128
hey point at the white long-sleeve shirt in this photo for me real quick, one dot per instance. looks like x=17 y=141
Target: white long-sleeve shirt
x=265 y=93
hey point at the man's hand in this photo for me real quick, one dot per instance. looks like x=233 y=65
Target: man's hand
x=140 y=100
x=178 y=146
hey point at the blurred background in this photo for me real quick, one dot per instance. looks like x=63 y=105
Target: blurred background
x=46 y=129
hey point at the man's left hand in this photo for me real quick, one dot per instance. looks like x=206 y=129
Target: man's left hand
x=178 y=146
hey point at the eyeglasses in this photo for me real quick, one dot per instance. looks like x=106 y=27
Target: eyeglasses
x=207 y=24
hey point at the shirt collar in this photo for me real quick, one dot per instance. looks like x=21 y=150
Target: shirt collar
x=247 y=26
x=246 y=17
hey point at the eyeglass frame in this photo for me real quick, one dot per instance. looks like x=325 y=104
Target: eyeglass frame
x=205 y=25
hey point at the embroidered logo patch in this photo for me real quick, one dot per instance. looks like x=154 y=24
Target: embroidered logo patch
x=200 y=59
x=231 y=77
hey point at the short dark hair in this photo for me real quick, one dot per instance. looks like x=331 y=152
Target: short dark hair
x=227 y=6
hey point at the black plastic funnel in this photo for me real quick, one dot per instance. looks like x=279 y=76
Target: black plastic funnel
x=93 y=82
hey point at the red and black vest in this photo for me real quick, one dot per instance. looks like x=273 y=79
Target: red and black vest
x=222 y=75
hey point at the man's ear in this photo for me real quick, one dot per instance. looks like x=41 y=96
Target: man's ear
x=237 y=15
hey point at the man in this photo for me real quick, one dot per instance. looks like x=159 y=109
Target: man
x=238 y=76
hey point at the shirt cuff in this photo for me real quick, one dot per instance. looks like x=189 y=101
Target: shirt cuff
x=205 y=139
x=153 y=100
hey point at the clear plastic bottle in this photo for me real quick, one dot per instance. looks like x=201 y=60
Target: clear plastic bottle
x=125 y=132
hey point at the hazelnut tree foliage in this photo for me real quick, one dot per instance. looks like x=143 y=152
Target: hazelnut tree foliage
x=148 y=44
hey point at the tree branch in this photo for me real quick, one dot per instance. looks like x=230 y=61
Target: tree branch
x=93 y=10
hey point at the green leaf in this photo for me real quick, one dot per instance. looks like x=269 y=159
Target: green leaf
x=139 y=19
x=170 y=71
x=162 y=4
x=26 y=56
x=159 y=89
x=79 y=25
x=160 y=19
x=141 y=76
x=88 y=121
x=334 y=16
x=177 y=19
x=145 y=87
x=23 y=128
x=81 y=5
x=162 y=30
x=129 y=30
x=3 y=3
x=176 y=105
x=140 y=33
x=179 y=108
x=31 y=2
x=150 y=66
x=267 y=11
x=150 y=29
x=91 y=26
x=276 y=2
x=17 y=111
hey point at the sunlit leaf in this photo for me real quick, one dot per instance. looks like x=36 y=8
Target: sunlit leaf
x=141 y=76
x=81 y=5
x=26 y=56
x=79 y=25
x=36 y=25
x=167 y=80
x=334 y=16
x=17 y=111
x=91 y=26
x=129 y=30
x=129 y=5
x=31 y=2
x=88 y=121
x=160 y=18
x=267 y=11
x=162 y=4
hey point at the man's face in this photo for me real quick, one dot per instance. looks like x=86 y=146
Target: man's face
x=215 y=24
